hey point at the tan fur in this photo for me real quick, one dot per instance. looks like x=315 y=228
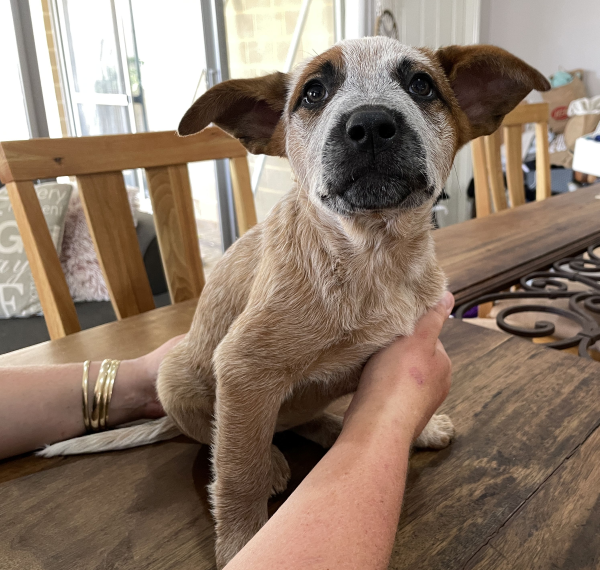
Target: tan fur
x=312 y=302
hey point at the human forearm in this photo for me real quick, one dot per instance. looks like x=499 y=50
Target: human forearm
x=345 y=513
x=42 y=405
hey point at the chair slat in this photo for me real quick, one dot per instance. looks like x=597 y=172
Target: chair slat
x=109 y=219
x=98 y=162
x=245 y=210
x=480 y=176
x=59 y=310
x=543 y=188
x=49 y=158
x=176 y=230
x=492 y=154
x=512 y=124
x=528 y=113
x=514 y=161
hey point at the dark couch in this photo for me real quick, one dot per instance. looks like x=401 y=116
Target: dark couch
x=19 y=333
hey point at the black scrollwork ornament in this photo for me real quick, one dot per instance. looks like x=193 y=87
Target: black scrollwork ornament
x=583 y=306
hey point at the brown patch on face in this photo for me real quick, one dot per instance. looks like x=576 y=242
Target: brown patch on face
x=329 y=69
x=446 y=110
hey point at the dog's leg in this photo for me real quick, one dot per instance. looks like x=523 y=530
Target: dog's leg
x=242 y=462
x=438 y=433
x=323 y=429
x=248 y=399
x=184 y=396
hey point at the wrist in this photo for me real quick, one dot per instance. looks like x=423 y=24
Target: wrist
x=134 y=393
x=391 y=400
x=369 y=417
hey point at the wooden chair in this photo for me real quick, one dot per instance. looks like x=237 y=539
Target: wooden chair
x=97 y=163
x=487 y=166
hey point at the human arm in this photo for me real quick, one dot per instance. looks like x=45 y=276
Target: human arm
x=345 y=512
x=40 y=405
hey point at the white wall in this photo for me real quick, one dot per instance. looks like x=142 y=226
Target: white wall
x=547 y=34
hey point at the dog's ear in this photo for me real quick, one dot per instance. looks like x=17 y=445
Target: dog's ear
x=248 y=109
x=488 y=83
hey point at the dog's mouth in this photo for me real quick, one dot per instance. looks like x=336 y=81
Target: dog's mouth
x=377 y=171
x=371 y=190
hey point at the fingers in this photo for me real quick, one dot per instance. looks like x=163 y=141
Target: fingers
x=430 y=325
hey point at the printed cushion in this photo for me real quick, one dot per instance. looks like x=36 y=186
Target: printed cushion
x=18 y=295
x=78 y=256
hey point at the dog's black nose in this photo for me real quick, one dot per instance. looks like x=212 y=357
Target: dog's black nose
x=371 y=129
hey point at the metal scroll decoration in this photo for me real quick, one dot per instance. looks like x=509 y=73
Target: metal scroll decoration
x=583 y=305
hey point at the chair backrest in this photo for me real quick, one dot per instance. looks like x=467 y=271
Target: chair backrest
x=97 y=163
x=487 y=166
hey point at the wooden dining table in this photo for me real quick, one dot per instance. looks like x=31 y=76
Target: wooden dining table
x=518 y=488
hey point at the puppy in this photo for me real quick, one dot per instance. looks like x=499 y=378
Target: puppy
x=342 y=265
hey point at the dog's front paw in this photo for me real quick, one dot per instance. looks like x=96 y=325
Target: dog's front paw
x=280 y=471
x=438 y=433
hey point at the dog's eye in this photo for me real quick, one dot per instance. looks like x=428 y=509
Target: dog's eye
x=315 y=92
x=421 y=86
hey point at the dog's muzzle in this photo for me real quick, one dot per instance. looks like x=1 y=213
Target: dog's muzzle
x=374 y=160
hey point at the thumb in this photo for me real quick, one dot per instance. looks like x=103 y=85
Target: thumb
x=430 y=325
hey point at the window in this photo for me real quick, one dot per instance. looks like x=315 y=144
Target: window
x=128 y=66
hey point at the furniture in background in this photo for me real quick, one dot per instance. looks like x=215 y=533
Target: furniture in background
x=17 y=333
x=487 y=165
x=97 y=163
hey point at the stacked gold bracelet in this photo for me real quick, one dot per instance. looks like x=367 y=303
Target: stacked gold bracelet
x=98 y=419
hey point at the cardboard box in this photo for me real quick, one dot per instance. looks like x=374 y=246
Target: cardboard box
x=559 y=99
x=587 y=155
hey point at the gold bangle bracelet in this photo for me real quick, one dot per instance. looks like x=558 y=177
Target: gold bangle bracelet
x=108 y=389
x=98 y=407
x=103 y=389
x=84 y=386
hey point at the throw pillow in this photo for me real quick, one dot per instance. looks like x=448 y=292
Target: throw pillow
x=78 y=256
x=18 y=295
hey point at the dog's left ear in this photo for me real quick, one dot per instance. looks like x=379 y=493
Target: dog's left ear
x=248 y=109
x=488 y=82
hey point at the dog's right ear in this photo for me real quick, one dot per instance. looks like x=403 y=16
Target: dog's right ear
x=248 y=109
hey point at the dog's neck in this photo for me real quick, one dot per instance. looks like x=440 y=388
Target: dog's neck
x=384 y=247
x=365 y=233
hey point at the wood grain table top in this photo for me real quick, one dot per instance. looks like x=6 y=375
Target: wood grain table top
x=518 y=488
x=492 y=252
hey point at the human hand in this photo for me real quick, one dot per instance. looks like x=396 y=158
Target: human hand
x=141 y=382
x=411 y=377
